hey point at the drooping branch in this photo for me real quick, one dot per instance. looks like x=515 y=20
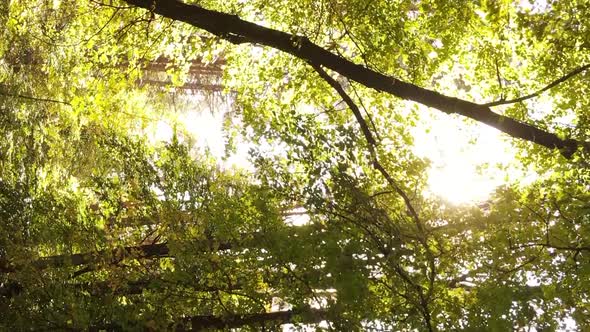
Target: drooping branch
x=236 y=30
x=372 y=144
x=350 y=103
x=538 y=92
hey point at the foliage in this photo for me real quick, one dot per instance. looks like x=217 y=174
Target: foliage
x=103 y=227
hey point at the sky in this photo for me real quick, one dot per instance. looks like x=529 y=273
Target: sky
x=464 y=157
x=457 y=150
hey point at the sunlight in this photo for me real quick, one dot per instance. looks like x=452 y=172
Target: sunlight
x=203 y=120
x=464 y=157
x=460 y=184
x=163 y=132
x=297 y=217
x=206 y=127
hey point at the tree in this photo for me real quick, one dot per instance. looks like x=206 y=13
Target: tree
x=238 y=31
x=105 y=229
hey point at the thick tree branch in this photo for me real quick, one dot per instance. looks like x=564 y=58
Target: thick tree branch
x=233 y=29
x=308 y=316
x=537 y=93
x=259 y=320
x=146 y=251
x=103 y=257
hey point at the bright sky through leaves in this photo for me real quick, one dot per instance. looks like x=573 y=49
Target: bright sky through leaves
x=460 y=173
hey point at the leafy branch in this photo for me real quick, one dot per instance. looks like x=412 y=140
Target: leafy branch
x=538 y=92
x=370 y=140
x=548 y=245
x=235 y=30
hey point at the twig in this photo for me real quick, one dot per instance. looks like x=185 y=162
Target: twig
x=104 y=26
x=537 y=93
x=364 y=109
x=111 y=5
x=47 y=100
x=499 y=77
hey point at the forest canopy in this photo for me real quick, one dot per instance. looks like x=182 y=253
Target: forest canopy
x=254 y=165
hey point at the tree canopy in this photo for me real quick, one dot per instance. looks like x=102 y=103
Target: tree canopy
x=115 y=216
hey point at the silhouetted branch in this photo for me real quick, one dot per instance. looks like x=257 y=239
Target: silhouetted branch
x=537 y=93
x=232 y=28
x=47 y=100
x=411 y=210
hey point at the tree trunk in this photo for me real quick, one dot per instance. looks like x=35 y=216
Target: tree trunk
x=156 y=250
x=199 y=323
x=209 y=322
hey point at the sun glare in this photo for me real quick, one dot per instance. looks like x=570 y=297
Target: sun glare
x=461 y=184
x=206 y=126
x=464 y=159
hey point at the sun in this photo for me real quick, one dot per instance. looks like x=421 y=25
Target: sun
x=464 y=158
x=461 y=184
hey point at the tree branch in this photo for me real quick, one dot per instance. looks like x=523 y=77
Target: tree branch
x=210 y=322
x=116 y=255
x=350 y=103
x=107 y=257
x=236 y=30
x=411 y=211
x=46 y=100
x=537 y=93
x=371 y=140
x=551 y=246
x=104 y=256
